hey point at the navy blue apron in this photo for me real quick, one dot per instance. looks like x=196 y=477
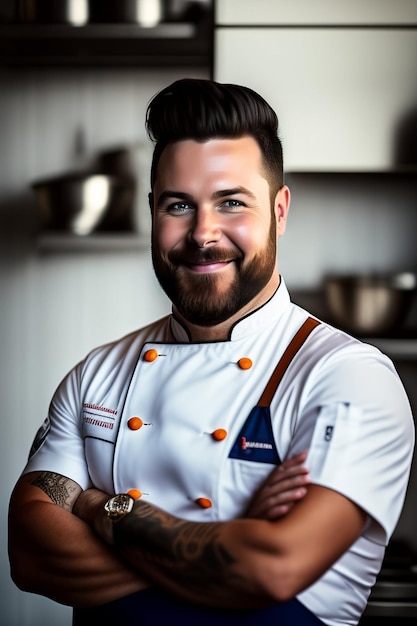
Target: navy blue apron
x=155 y=607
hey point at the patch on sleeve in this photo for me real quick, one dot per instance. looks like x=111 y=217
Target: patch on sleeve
x=40 y=437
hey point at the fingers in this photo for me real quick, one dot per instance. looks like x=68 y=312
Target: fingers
x=285 y=486
x=271 y=509
x=290 y=473
x=269 y=504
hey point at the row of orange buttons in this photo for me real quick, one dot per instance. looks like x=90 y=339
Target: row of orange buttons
x=135 y=423
x=151 y=355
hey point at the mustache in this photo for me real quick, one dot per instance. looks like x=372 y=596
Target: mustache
x=198 y=256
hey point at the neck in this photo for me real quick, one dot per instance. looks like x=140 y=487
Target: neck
x=221 y=332
x=204 y=334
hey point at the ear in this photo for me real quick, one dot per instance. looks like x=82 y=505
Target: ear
x=281 y=208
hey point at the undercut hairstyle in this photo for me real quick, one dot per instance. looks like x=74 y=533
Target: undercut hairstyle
x=200 y=110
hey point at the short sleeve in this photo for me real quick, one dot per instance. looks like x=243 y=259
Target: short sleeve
x=362 y=445
x=58 y=445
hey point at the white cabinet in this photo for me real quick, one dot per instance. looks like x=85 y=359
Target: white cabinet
x=342 y=76
x=318 y=12
x=341 y=94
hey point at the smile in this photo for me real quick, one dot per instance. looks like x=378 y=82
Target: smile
x=208 y=267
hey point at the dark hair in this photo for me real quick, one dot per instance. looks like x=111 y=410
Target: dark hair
x=203 y=109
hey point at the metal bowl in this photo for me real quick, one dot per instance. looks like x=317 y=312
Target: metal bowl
x=83 y=203
x=370 y=305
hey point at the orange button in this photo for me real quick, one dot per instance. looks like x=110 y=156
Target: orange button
x=245 y=363
x=135 y=423
x=135 y=493
x=219 y=434
x=150 y=355
x=205 y=503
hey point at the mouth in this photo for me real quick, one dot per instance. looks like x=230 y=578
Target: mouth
x=207 y=267
x=208 y=261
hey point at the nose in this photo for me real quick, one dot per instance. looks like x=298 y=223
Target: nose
x=205 y=229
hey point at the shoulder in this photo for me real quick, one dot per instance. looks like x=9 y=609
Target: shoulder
x=347 y=361
x=333 y=367
x=111 y=361
x=328 y=348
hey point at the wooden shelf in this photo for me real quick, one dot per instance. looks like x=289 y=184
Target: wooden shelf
x=55 y=242
x=168 y=44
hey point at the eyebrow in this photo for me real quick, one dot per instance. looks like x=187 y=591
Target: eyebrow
x=179 y=195
x=222 y=193
x=233 y=192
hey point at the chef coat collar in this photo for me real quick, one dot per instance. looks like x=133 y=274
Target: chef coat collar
x=252 y=322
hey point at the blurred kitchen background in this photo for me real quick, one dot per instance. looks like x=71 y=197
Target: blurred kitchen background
x=75 y=80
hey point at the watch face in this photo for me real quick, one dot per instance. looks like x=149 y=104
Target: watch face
x=119 y=506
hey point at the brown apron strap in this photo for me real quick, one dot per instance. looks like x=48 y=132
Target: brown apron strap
x=295 y=344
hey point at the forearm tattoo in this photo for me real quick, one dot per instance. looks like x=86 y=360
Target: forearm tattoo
x=62 y=490
x=192 y=553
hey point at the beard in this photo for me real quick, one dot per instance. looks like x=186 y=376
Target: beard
x=210 y=299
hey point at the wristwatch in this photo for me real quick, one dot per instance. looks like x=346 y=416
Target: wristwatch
x=115 y=509
x=118 y=506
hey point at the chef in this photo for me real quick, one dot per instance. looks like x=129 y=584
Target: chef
x=160 y=458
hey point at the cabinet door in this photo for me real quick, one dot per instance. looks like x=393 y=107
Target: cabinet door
x=318 y=12
x=341 y=94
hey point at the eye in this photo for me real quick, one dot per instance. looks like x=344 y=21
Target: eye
x=232 y=204
x=179 y=208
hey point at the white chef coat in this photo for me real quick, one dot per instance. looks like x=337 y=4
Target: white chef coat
x=340 y=398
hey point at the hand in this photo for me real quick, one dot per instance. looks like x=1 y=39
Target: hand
x=285 y=486
x=89 y=505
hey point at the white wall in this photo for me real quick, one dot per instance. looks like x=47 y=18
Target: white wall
x=57 y=306
x=349 y=223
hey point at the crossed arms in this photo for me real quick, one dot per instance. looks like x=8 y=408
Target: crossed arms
x=292 y=533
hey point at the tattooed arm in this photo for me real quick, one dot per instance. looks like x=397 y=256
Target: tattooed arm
x=244 y=562
x=54 y=553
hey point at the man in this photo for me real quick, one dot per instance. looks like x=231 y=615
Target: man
x=201 y=412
